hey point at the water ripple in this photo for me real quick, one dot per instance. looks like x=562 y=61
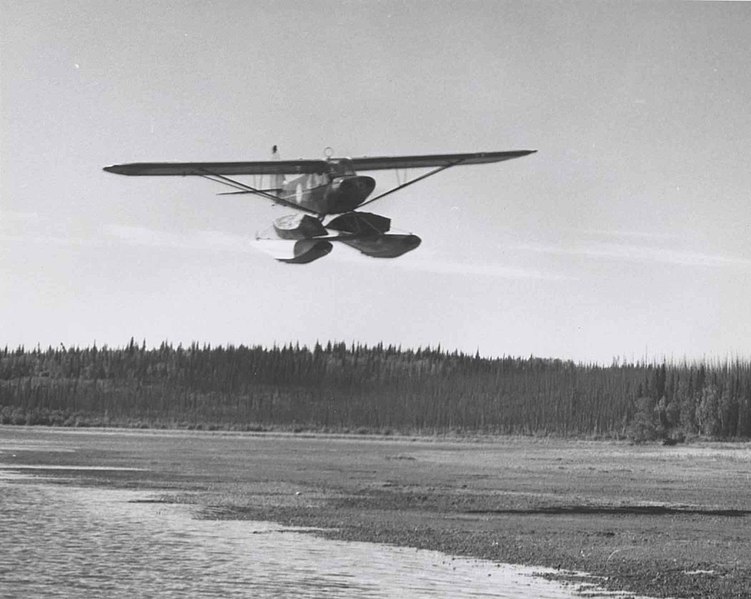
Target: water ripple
x=66 y=541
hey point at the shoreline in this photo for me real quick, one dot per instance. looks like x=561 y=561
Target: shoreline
x=367 y=435
x=660 y=521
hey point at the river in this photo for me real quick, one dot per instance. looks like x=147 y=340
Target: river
x=60 y=540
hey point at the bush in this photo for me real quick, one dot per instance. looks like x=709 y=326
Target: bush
x=645 y=425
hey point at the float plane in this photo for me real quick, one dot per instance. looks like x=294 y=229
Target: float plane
x=327 y=195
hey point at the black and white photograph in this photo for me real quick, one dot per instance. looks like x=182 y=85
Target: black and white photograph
x=375 y=298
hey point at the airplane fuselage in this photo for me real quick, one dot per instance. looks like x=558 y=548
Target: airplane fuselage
x=336 y=191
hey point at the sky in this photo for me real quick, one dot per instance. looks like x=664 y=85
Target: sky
x=626 y=236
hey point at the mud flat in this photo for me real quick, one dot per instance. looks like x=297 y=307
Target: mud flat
x=660 y=521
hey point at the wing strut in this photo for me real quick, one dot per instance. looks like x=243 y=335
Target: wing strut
x=415 y=180
x=243 y=187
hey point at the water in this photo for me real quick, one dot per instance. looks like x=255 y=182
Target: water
x=66 y=541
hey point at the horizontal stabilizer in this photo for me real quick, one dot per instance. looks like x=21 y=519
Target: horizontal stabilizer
x=257 y=192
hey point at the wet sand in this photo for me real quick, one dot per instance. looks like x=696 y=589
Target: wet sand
x=660 y=521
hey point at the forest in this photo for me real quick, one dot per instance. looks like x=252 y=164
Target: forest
x=379 y=389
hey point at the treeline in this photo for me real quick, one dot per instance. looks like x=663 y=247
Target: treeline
x=378 y=389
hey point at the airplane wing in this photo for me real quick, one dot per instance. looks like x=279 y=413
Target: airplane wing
x=297 y=167
x=434 y=160
x=440 y=161
x=201 y=169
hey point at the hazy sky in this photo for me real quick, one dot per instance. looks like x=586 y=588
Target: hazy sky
x=626 y=235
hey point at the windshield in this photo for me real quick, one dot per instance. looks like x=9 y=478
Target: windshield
x=341 y=167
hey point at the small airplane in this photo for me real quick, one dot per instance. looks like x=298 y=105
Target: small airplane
x=327 y=194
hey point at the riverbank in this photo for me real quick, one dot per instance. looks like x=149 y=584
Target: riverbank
x=661 y=521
